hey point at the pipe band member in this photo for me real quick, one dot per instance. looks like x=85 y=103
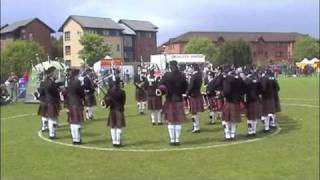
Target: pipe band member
x=140 y=82
x=89 y=89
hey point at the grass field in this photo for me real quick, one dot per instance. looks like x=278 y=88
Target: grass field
x=292 y=153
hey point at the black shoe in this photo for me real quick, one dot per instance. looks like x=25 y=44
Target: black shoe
x=273 y=127
x=52 y=137
x=141 y=113
x=177 y=143
x=172 y=143
x=91 y=118
x=160 y=123
x=232 y=139
x=253 y=135
x=266 y=131
x=77 y=143
x=195 y=131
x=153 y=124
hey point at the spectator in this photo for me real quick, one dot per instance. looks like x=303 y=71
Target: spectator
x=25 y=76
x=13 y=86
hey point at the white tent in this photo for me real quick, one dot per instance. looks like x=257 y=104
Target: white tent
x=45 y=65
x=315 y=60
x=305 y=61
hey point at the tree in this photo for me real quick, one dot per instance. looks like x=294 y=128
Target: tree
x=94 y=48
x=200 y=45
x=305 y=47
x=18 y=56
x=57 y=47
x=235 y=52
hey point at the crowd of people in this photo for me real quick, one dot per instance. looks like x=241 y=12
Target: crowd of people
x=228 y=93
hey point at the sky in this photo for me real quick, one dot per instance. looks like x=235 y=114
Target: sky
x=175 y=17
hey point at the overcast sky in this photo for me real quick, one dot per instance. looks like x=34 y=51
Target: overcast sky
x=174 y=17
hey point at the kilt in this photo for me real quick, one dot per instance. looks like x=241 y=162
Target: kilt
x=217 y=104
x=196 y=104
x=116 y=119
x=52 y=110
x=75 y=114
x=268 y=106
x=90 y=100
x=141 y=95
x=173 y=112
x=254 y=110
x=42 y=110
x=154 y=103
x=231 y=112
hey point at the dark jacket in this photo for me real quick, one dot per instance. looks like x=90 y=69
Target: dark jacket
x=75 y=93
x=233 y=89
x=51 y=91
x=143 y=80
x=41 y=91
x=270 y=87
x=152 y=86
x=88 y=85
x=176 y=85
x=194 y=88
x=218 y=82
x=115 y=99
x=253 y=89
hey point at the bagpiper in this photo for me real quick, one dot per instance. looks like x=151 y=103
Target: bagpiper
x=89 y=89
x=52 y=101
x=174 y=84
x=75 y=99
x=233 y=88
x=195 y=96
x=154 y=101
x=116 y=99
x=40 y=95
x=140 y=82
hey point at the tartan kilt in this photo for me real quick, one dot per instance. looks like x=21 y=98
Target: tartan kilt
x=116 y=119
x=173 y=112
x=52 y=110
x=154 y=103
x=254 y=110
x=217 y=104
x=90 y=100
x=141 y=95
x=42 y=110
x=75 y=114
x=268 y=106
x=231 y=112
x=196 y=104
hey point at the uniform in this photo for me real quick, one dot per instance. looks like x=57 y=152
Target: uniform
x=75 y=101
x=270 y=101
x=196 y=100
x=253 y=90
x=116 y=99
x=90 y=99
x=154 y=101
x=140 y=81
x=233 y=88
x=42 y=107
x=173 y=110
x=52 y=105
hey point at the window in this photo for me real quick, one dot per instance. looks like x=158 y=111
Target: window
x=67 y=36
x=127 y=41
x=118 y=47
x=30 y=36
x=128 y=54
x=114 y=33
x=92 y=31
x=149 y=35
x=106 y=32
x=67 y=50
x=279 y=54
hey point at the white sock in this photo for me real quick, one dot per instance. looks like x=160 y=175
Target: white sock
x=52 y=129
x=250 y=124
x=212 y=118
x=171 y=131
x=87 y=112
x=233 y=130
x=177 y=132
x=143 y=106
x=153 y=116
x=158 y=116
x=118 y=136
x=266 y=123
x=227 y=130
x=44 y=123
x=197 y=123
x=75 y=132
x=273 y=122
x=254 y=126
x=90 y=112
x=113 y=135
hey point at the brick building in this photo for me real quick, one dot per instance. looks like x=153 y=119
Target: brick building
x=30 y=29
x=129 y=39
x=144 y=40
x=266 y=47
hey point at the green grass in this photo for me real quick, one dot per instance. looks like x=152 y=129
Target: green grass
x=292 y=154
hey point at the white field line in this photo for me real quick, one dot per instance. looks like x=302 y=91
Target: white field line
x=158 y=150
x=300 y=99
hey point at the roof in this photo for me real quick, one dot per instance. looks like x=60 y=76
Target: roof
x=93 y=22
x=137 y=25
x=18 y=24
x=245 y=36
x=126 y=30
